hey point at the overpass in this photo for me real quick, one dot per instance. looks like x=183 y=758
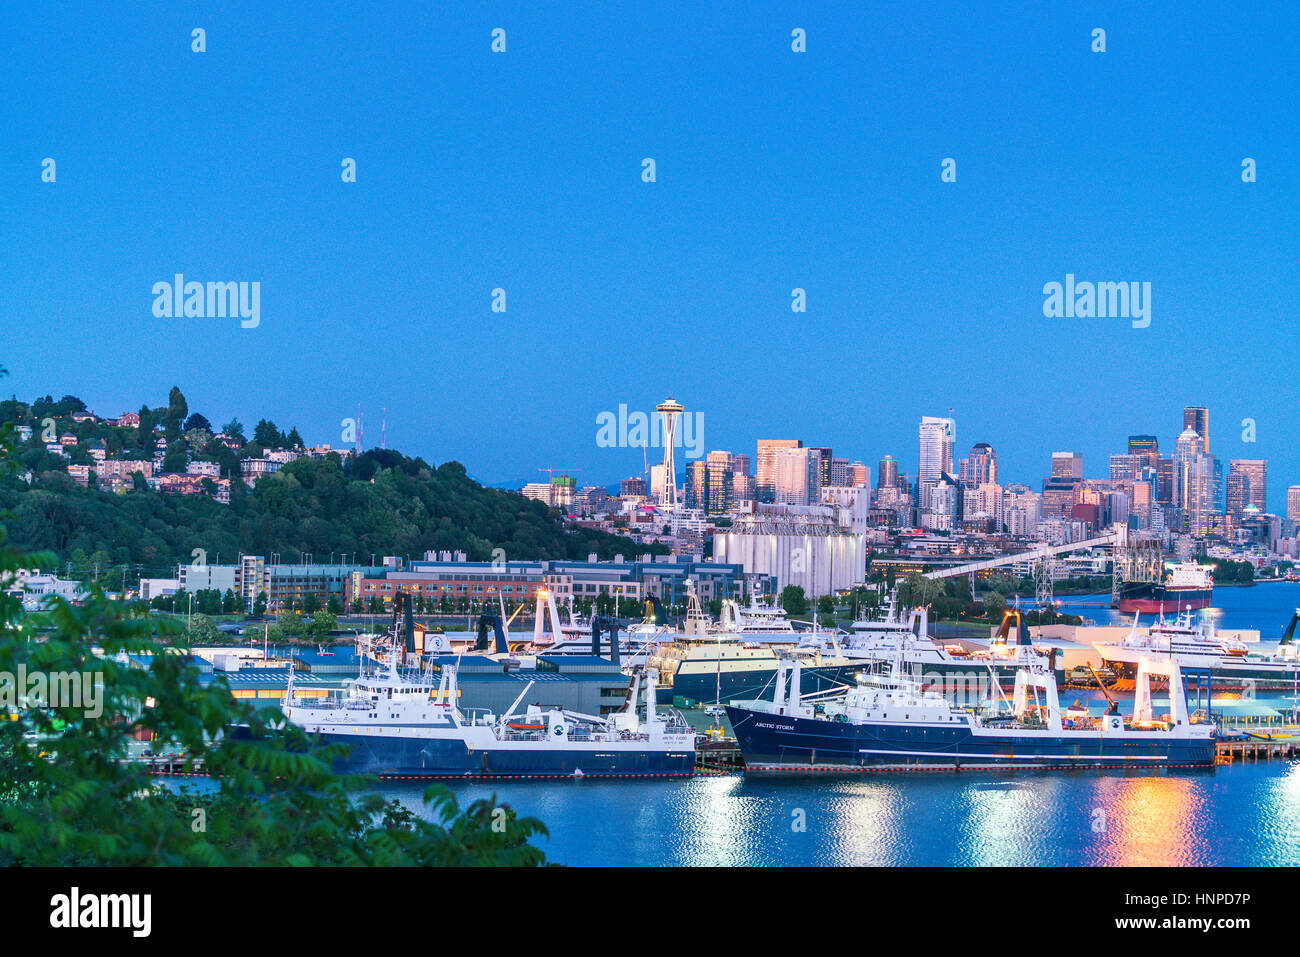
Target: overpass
x=1042 y=573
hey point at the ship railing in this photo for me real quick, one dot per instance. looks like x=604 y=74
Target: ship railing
x=333 y=704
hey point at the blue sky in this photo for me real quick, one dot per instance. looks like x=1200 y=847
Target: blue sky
x=775 y=170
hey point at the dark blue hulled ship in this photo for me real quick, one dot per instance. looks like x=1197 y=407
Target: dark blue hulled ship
x=405 y=723
x=893 y=722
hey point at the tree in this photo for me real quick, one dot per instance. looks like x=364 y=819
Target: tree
x=291 y=623
x=267 y=435
x=995 y=604
x=310 y=603
x=320 y=625
x=197 y=421
x=793 y=600
x=235 y=429
x=274 y=800
x=259 y=605
x=203 y=631
x=293 y=440
x=174 y=417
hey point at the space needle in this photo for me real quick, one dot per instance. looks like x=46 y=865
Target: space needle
x=669 y=409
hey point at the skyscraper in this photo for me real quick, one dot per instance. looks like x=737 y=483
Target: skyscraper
x=719 y=476
x=887 y=473
x=797 y=476
x=765 y=477
x=1124 y=468
x=1293 y=505
x=1067 y=465
x=980 y=467
x=936 y=439
x=1197 y=418
x=1186 y=448
x=1145 y=448
x=1247 y=481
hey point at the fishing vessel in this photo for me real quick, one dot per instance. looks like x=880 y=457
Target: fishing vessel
x=405 y=723
x=708 y=664
x=1199 y=652
x=946 y=666
x=1185 y=586
x=893 y=723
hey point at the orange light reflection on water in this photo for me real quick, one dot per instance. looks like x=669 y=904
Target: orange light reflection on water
x=1149 y=821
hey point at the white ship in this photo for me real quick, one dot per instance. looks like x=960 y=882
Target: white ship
x=1200 y=652
x=406 y=723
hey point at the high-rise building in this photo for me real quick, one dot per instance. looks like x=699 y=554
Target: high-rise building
x=797 y=476
x=1145 y=445
x=1186 y=448
x=1247 y=481
x=887 y=473
x=1197 y=418
x=839 y=476
x=765 y=461
x=697 y=484
x=936 y=437
x=1067 y=465
x=859 y=476
x=633 y=486
x=980 y=467
x=719 y=475
x=1293 y=506
x=825 y=458
x=1124 y=468
x=1165 y=480
x=1199 y=509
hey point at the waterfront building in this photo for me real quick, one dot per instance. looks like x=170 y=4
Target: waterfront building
x=816 y=547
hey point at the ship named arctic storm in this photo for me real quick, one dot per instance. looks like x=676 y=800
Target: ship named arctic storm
x=894 y=723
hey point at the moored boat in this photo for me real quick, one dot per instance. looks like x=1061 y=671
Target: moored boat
x=897 y=724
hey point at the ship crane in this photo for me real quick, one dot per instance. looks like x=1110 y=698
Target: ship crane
x=1113 y=704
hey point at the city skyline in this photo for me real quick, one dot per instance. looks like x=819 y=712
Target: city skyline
x=921 y=295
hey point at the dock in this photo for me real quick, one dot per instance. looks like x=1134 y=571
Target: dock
x=1254 y=747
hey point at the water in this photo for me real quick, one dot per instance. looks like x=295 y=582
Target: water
x=1243 y=814
x=1246 y=814
x=1266 y=608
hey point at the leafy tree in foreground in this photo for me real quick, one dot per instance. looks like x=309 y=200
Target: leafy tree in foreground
x=67 y=797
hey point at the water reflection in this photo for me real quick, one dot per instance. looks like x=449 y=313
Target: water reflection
x=1244 y=814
